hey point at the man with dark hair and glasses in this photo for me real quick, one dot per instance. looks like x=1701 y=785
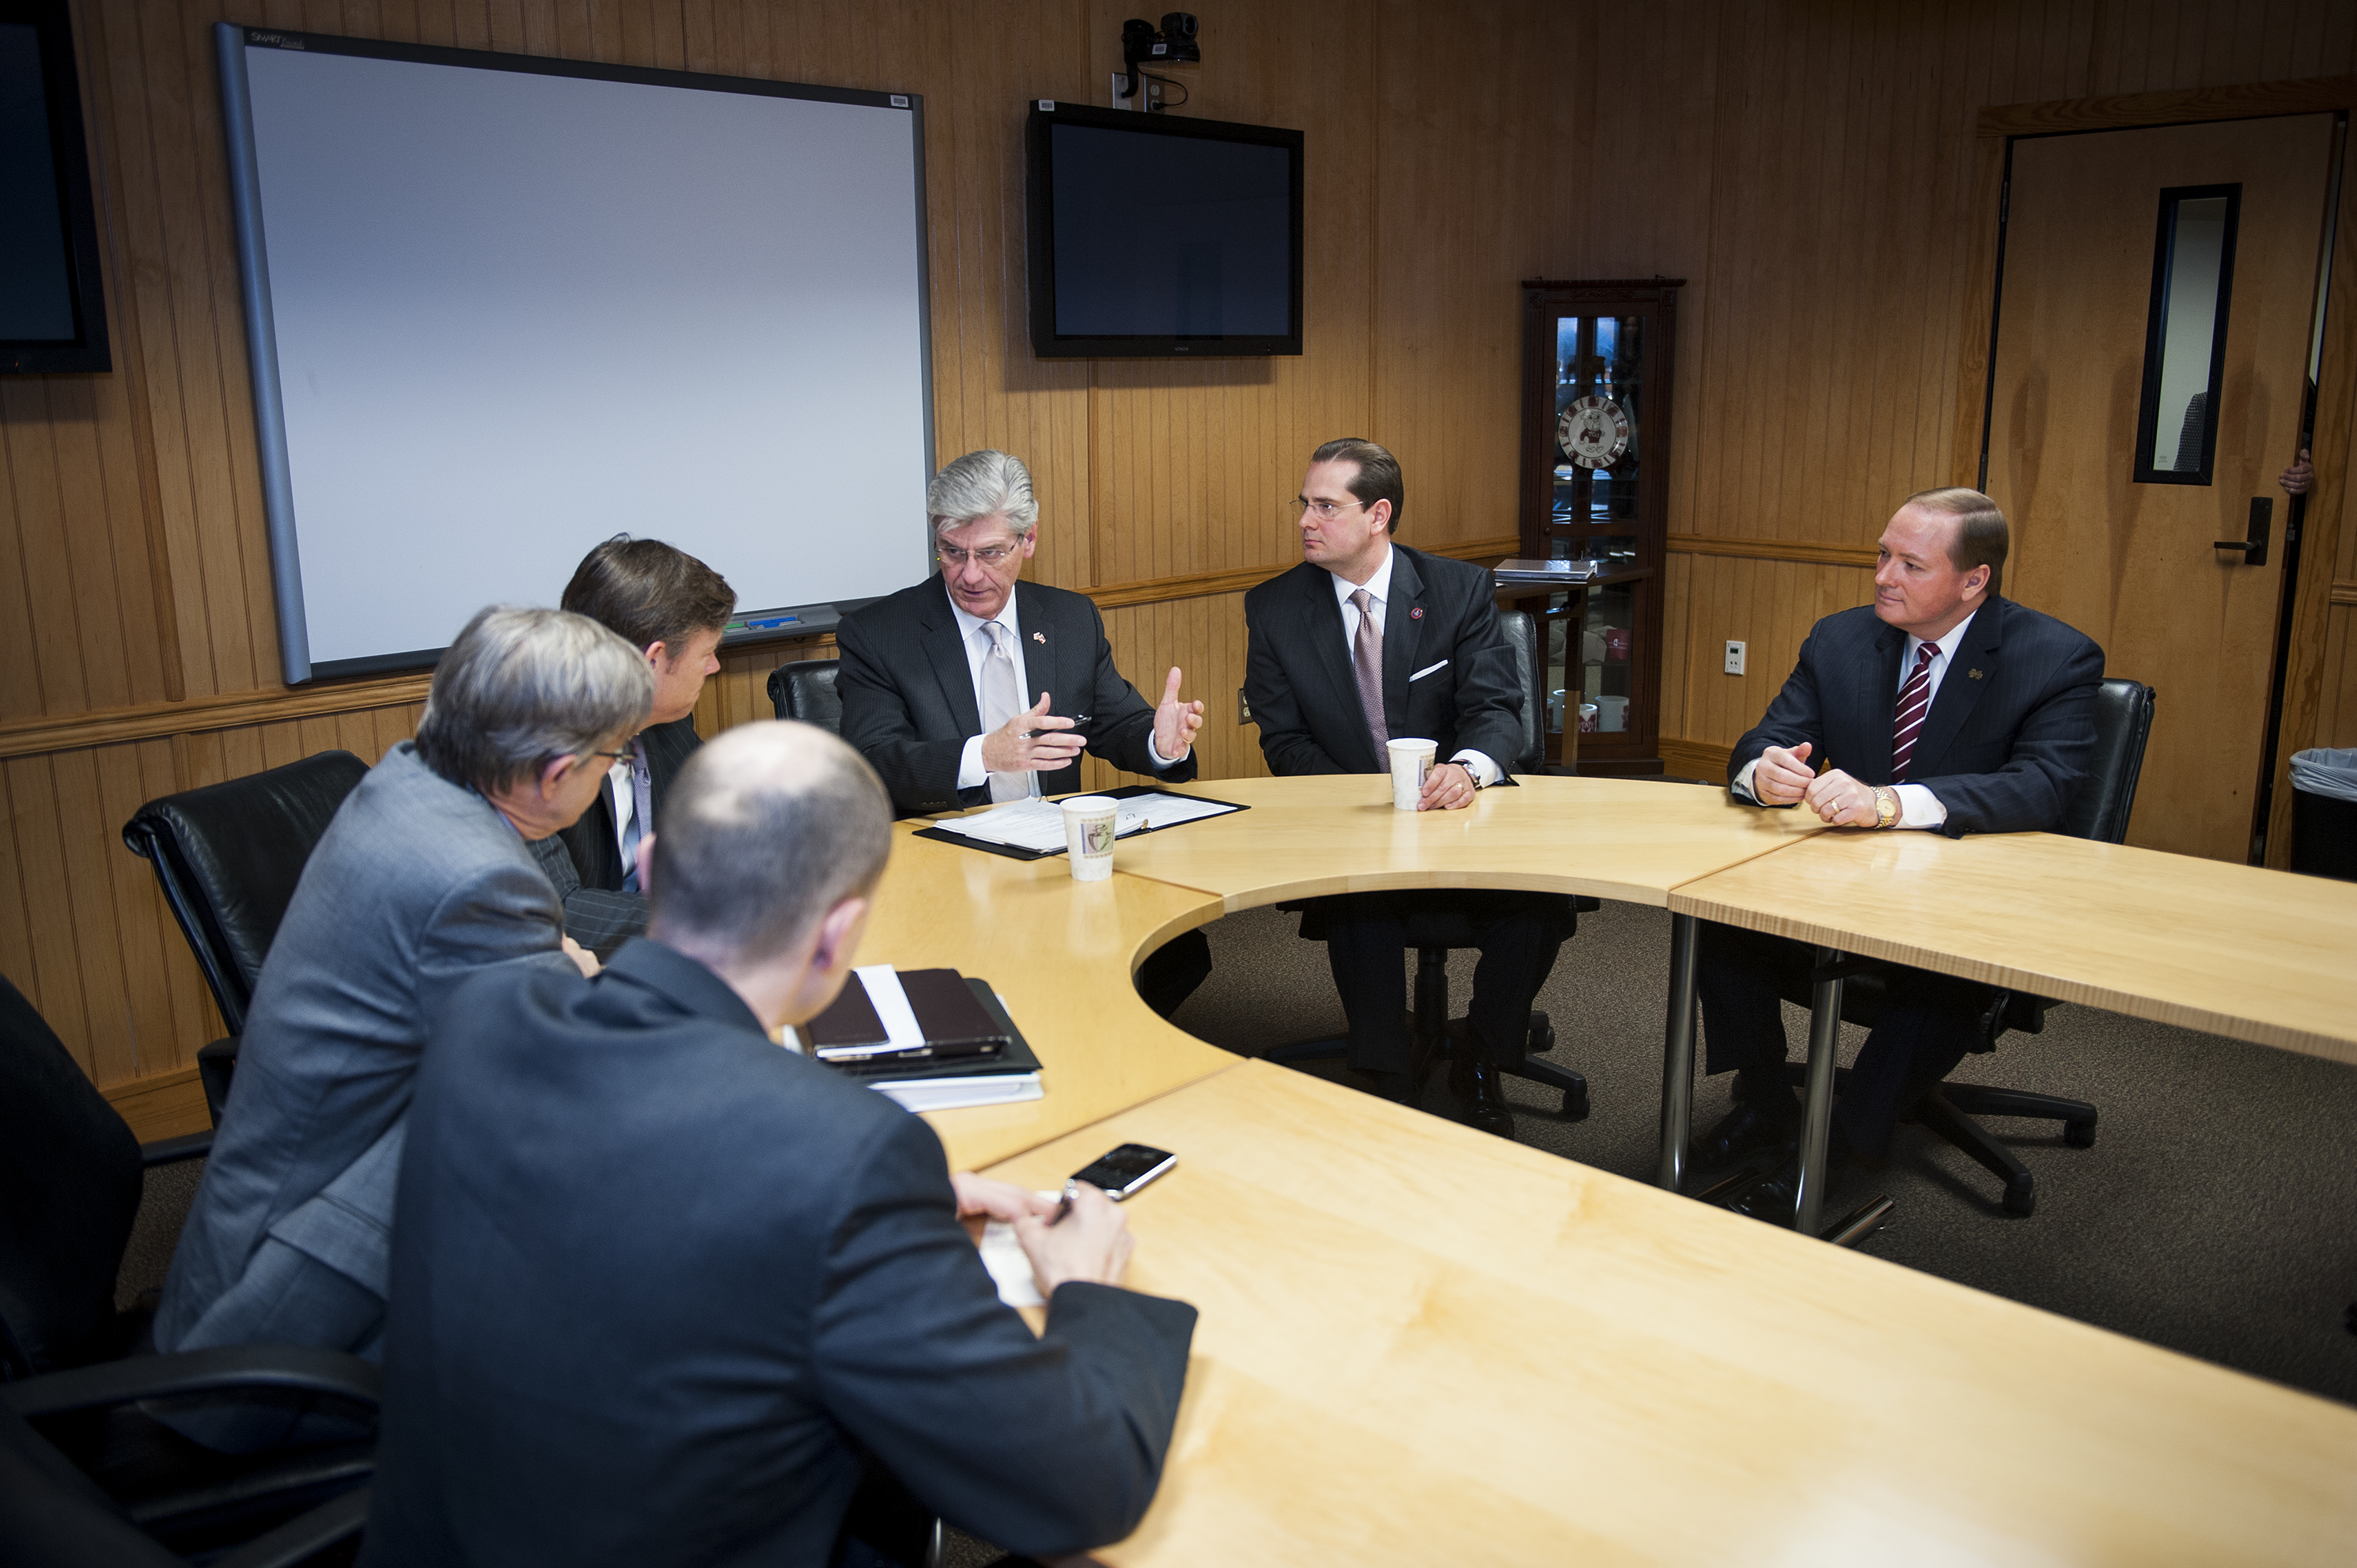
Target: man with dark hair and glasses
x=1364 y=641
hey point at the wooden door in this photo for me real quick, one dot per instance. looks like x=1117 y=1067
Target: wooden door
x=2135 y=565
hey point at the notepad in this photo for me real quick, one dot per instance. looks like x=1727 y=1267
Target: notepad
x=1038 y=825
x=1010 y=1265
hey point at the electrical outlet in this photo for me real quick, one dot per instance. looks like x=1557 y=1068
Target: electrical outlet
x=1244 y=709
x=1150 y=90
x=1135 y=100
x=1735 y=659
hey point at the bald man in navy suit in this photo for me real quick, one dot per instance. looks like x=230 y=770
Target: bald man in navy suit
x=1940 y=707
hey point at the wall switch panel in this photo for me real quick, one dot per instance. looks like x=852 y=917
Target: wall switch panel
x=1244 y=709
x=1735 y=659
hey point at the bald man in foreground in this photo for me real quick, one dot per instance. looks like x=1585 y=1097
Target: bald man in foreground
x=663 y=1292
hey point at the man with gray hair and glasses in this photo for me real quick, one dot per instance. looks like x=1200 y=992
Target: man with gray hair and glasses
x=974 y=687
x=424 y=879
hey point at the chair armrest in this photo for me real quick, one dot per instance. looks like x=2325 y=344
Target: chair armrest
x=172 y=1151
x=298 y=1369
x=302 y=1538
x=215 y=1063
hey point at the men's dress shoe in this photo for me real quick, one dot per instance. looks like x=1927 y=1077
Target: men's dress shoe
x=1745 y=1130
x=1473 y=1081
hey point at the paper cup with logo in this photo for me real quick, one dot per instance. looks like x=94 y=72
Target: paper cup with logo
x=1088 y=834
x=1411 y=760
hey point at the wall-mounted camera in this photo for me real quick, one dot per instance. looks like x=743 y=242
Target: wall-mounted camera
x=1176 y=42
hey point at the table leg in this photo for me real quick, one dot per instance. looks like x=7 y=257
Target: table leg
x=1817 y=1112
x=1678 y=1053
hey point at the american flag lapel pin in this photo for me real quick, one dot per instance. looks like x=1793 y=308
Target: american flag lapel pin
x=1041 y=636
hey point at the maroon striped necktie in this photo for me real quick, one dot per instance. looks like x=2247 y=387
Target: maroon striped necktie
x=1914 y=701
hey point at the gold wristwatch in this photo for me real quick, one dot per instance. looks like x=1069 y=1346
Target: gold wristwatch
x=1886 y=806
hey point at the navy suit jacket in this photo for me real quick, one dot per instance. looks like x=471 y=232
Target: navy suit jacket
x=661 y=1289
x=2006 y=745
x=908 y=693
x=1305 y=697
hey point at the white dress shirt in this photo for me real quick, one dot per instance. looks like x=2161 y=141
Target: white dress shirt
x=1379 y=589
x=972 y=774
x=1918 y=807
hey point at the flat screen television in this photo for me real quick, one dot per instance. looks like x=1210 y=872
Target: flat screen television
x=52 y=317
x=1152 y=236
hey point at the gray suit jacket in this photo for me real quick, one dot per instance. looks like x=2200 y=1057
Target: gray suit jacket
x=418 y=884
x=908 y=693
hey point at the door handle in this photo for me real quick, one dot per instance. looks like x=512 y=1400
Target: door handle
x=2254 y=548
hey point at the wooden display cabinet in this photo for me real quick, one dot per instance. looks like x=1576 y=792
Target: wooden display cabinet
x=1597 y=362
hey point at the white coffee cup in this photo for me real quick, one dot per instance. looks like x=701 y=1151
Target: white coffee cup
x=1411 y=761
x=1088 y=835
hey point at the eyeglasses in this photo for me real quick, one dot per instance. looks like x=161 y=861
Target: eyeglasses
x=1324 y=512
x=950 y=555
x=616 y=756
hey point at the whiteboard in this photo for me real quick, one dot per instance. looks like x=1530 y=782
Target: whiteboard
x=500 y=308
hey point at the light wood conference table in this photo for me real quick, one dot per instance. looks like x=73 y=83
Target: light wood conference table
x=1422 y=1344
x=2237 y=950
x=1061 y=953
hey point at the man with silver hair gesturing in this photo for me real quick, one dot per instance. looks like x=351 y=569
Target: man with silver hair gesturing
x=974 y=687
x=423 y=879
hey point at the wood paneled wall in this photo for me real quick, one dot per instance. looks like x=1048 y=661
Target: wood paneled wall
x=1806 y=166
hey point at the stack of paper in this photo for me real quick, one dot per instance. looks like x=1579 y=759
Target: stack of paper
x=1038 y=825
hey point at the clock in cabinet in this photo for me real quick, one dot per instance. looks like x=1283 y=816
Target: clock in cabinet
x=1596 y=361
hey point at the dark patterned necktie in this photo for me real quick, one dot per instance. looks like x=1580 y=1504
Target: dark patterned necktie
x=1914 y=701
x=642 y=814
x=1367 y=661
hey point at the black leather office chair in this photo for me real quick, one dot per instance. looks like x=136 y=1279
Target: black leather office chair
x=806 y=691
x=1434 y=933
x=227 y=858
x=73 y=1370
x=2123 y=724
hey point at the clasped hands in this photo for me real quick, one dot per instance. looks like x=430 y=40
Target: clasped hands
x=1038 y=741
x=1783 y=777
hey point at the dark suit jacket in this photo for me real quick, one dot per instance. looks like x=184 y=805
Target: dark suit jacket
x=2005 y=744
x=584 y=862
x=908 y=691
x=1304 y=698
x=660 y=1288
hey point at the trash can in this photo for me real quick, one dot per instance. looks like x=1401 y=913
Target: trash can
x=2324 y=812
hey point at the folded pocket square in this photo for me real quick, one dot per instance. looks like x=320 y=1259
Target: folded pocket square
x=1428 y=670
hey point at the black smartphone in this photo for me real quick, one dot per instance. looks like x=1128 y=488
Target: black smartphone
x=1122 y=1171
